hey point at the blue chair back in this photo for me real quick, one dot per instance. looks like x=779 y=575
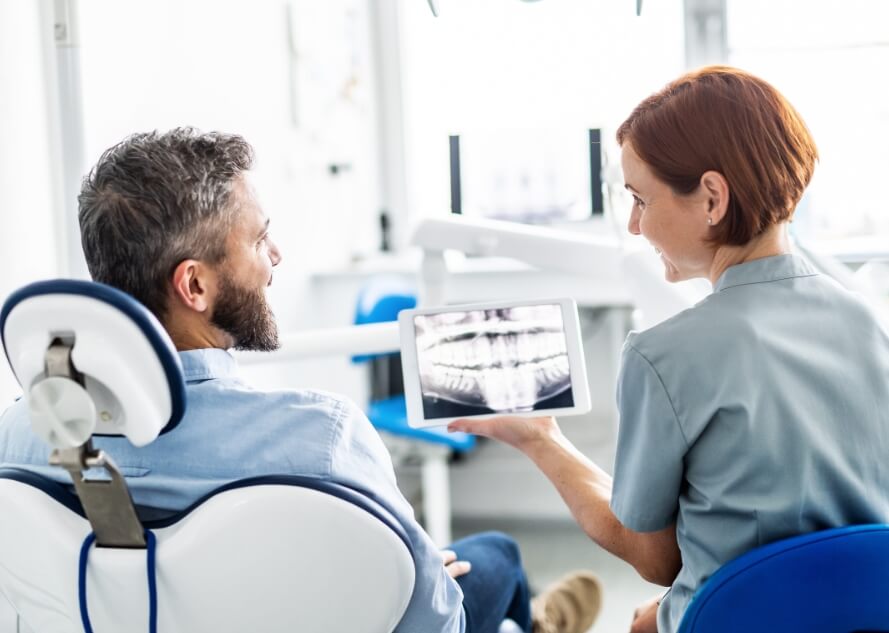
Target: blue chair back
x=380 y=301
x=834 y=581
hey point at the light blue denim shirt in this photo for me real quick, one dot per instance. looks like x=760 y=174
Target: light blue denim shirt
x=231 y=431
x=758 y=414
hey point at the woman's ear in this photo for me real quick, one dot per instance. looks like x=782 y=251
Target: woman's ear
x=192 y=285
x=715 y=187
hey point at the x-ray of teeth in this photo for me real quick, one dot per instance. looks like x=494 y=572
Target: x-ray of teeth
x=493 y=361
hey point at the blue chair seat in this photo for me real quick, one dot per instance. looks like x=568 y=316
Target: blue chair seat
x=833 y=581
x=390 y=415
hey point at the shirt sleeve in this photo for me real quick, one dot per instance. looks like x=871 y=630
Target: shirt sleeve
x=648 y=468
x=360 y=458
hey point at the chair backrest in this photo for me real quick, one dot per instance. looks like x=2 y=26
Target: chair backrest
x=382 y=298
x=379 y=301
x=834 y=581
x=271 y=554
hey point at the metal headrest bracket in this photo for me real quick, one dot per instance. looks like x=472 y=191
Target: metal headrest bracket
x=107 y=503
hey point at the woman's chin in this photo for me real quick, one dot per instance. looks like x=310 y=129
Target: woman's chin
x=671 y=273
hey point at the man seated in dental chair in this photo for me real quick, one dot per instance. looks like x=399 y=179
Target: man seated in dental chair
x=172 y=220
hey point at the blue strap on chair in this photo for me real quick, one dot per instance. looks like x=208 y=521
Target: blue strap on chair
x=833 y=581
x=151 y=547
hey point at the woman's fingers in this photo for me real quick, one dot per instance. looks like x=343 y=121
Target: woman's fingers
x=645 y=617
x=515 y=430
x=476 y=427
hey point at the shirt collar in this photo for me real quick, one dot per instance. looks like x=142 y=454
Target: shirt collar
x=205 y=364
x=763 y=270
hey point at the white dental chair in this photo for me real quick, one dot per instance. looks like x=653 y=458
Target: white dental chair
x=268 y=554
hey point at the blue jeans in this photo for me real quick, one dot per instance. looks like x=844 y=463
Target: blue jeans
x=496 y=588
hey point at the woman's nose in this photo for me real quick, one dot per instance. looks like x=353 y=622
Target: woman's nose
x=633 y=225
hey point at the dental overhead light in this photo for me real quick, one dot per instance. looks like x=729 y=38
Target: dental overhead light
x=433 y=5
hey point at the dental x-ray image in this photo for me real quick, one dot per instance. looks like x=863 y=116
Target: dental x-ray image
x=493 y=361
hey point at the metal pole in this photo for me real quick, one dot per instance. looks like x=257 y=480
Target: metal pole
x=70 y=118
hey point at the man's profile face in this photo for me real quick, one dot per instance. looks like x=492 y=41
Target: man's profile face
x=241 y=308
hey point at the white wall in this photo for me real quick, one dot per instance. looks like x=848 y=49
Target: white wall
x=832 y=67
x=556 y=66
x=28 y=164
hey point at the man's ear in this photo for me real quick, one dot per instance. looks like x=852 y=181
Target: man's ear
x=193 y=285
x=715 y=188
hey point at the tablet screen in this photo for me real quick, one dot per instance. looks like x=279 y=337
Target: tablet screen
x=474 y=362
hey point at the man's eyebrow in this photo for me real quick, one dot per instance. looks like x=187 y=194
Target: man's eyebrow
x=630 y=187
x=265 y=227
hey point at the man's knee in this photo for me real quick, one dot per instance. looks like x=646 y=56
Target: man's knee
x=502 y=543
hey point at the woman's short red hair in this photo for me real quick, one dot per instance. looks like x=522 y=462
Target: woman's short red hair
x=726 y=120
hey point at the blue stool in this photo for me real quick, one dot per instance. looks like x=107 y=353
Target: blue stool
x=390 y=415
x=834 y=581
x=379 y=301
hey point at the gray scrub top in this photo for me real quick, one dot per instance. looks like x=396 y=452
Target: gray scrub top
x=760 y=413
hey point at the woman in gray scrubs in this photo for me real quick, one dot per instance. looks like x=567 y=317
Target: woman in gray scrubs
x=758 y=414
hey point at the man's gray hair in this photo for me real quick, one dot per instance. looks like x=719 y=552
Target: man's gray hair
x=154 y=200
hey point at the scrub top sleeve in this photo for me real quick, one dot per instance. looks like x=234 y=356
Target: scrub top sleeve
x=648 y=466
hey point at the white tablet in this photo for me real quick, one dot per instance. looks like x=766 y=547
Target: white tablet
x=484 y=360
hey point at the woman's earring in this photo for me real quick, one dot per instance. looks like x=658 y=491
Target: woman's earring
x=709 y=220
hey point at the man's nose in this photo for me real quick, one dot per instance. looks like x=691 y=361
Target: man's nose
x=274 y=254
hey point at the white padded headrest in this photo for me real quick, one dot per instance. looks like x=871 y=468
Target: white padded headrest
x=131 y=370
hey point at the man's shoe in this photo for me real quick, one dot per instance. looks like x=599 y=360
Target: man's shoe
x=569 y=605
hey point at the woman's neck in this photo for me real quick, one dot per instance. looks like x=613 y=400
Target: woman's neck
x=773 y=241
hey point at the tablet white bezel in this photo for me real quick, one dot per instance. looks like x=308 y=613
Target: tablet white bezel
x=574 y=343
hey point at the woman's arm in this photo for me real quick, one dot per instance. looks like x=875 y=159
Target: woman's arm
x=586 y=489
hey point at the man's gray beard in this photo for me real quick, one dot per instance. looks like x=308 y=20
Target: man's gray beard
x=245 y=315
